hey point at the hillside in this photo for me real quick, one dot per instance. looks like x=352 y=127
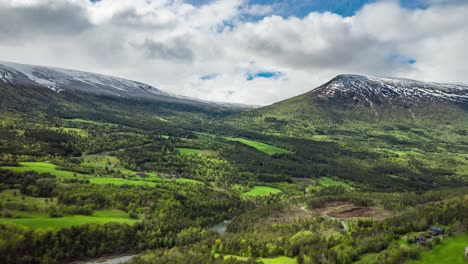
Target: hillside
x=30 y=91
x=379 y=131
x=22 y=82
x=350 y=99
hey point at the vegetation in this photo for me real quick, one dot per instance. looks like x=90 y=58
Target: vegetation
x=42 y=167
x=268 y=149
x=62 y=222
x=450 y=250
x=81 y=177
x=327 y=182
x=189 y=151
x=261 y=191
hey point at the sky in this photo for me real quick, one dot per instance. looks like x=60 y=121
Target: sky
x=241 y=51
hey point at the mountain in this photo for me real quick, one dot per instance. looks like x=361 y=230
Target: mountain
x=351 y=103
x=349 y=97
x=370 y=91
x=63 y=80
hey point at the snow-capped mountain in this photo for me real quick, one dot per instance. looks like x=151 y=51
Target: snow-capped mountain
x=63 y=80
x=369 y=91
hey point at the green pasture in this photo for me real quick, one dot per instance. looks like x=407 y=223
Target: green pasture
x=265 y=148
x=65 y=221
x=119 y=181
x=42 y=167
x=275 y=260
x=99 y=162
x=189 y=151
x=327 y=182
x=261 y=191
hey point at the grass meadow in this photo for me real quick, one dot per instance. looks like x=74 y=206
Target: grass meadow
x=265 y=148
x=261 y=191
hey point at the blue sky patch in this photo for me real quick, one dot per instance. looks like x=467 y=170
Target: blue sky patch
x=398 y=58
x=301 y=8
x=266 y=75
x=210 y=76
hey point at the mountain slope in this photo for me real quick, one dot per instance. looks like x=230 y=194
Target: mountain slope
x=378 y=131
x=367 y=91
x=43 y=93
x=348 y=98
x=64 y=80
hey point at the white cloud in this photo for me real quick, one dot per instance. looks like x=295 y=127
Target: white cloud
x=171 y=44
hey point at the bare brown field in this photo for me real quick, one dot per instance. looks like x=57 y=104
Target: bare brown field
x=346 y=210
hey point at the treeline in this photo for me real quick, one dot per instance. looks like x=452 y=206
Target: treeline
x=30 y=183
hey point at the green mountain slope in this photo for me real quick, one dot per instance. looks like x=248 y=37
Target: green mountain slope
x=376 y=132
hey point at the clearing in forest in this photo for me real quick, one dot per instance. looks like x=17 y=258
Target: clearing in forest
x=265 y=148
x=43 y=220
x=261 y=191
x=42 y=167
x=326 y=181
x=189 y=151
x=45 y=167
x=274 y=260
x=345 y=210
x=32 y=212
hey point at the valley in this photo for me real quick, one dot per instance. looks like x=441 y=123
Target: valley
x=317 y=178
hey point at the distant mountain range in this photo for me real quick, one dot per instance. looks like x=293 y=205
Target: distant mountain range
x=342 y=92
x=64 y=80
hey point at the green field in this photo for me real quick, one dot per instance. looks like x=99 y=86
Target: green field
x=39 y=218
x=450 y=250
x=368 y=258
x=119 y=181
x=65 y=221
x=42 y=167
x=98 y=162
x=189 y=151
x=275 y=260
x=185 y=180
x=261 y=191
x=326 y=181
x=265 y=148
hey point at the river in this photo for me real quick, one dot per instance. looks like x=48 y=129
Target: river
x=106 y=260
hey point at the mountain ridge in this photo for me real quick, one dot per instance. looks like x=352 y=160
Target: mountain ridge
x=370 y=90
x=63 y=80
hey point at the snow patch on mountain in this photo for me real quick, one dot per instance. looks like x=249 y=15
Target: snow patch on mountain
x=58 y=80
x=370 y=90
x=62 y=80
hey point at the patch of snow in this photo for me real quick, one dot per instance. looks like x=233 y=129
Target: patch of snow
x=371 y=88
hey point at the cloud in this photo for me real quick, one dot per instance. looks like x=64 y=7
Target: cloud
x=23 y=20
x=205 y=50
x=176 y=49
